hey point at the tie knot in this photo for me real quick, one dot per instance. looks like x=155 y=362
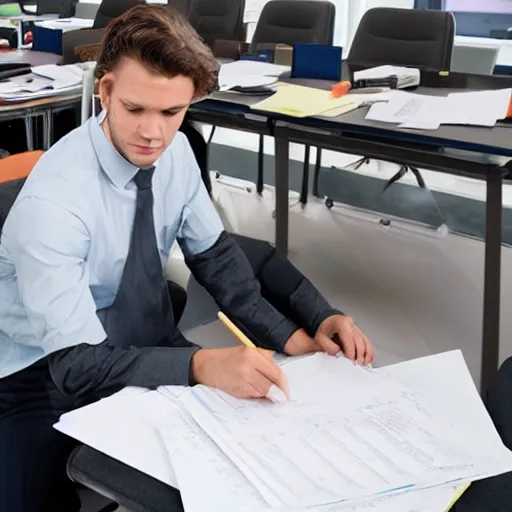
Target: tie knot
x=143 y=178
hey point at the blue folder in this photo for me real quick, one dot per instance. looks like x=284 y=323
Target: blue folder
x=318 y=61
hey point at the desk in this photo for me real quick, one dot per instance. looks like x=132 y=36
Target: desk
x=30 y=56
x=480 y=153
x=44 y=107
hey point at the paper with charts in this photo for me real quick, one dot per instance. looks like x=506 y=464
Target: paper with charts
x=351 y=438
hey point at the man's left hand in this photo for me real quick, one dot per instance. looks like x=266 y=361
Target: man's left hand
x=336 y=333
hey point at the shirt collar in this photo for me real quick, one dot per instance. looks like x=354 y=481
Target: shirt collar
x=116 y=167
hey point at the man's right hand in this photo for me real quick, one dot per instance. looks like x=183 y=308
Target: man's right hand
x=240 y=371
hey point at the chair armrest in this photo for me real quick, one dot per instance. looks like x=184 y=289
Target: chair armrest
x=74 y=38
x=118 y=482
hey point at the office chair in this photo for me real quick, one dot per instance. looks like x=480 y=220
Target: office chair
x=107 y=11
x=64 y=8
x=13 y=171
x=221 y=19
x=402 y=37
x=289 y=22
x=111 y=9
x=182 y=6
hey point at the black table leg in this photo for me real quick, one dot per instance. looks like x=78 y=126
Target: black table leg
x=492 y=281
x=282 y=187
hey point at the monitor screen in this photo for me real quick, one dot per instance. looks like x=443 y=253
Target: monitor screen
x=487 y=6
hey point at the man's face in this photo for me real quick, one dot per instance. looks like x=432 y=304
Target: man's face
x=144 y=110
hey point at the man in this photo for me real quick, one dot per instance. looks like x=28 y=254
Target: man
x=84 y=304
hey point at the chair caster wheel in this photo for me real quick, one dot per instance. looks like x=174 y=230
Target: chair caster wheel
x=217 y=175
x=329 y=203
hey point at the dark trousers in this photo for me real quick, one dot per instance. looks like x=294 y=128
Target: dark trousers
x=33 y=454
x=494 y=494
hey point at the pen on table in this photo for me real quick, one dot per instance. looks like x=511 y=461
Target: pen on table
x=274 y=394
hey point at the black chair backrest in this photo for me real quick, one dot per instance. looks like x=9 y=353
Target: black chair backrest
x=217 y=19
x=182 y=6
x=111 y=9
x=9 y=191
x=295 y=21
x=64 y=8
x=404 y=37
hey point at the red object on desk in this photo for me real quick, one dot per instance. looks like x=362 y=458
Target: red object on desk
x=340 y=89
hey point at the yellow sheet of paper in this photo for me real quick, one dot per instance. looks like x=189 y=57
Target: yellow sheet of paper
x=300 y=101
x=458 y=493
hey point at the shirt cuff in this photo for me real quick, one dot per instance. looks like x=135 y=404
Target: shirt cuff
x=163 y=366
x=280 y=335
x=311 y=307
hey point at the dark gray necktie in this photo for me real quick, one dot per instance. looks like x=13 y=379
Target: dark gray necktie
x=142 y=307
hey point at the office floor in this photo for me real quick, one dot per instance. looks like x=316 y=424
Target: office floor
x=414 y=293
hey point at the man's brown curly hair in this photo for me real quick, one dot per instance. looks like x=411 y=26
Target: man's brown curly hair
x=163 y=41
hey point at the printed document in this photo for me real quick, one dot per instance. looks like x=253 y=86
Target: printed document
x=351 y=439
x=474 y=108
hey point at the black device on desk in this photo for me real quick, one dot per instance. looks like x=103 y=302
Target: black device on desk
x=369 y=83
x=261 y=90
x=10 y=69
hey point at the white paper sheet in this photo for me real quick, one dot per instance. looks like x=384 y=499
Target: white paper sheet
x=418 y=111
x=112 y=425
x=115 y=427
x=299 y=454
x=206 y=461
x=61 y=76
x=247 y=73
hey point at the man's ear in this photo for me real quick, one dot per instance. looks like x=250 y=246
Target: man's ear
x=105 y=86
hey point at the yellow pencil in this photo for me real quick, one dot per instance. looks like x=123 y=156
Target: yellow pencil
x=275 y=394
x=235 y=331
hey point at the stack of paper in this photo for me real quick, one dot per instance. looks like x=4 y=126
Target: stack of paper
x=351 y=440
x=66 y=24
x=407 y=77
x=475 y=108
x=47 y=80
x=300 y=101
x=248 y=73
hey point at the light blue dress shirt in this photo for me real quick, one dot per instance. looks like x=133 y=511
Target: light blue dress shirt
x=66 y=239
